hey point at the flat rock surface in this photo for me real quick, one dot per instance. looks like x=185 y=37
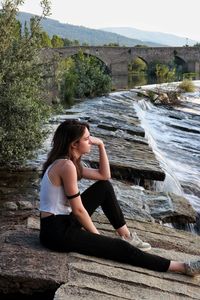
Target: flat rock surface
x=27 y=267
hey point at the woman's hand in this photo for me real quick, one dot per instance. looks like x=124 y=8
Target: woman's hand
x=95 y=141
x=103 y=172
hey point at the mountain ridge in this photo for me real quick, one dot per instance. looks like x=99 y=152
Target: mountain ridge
x=158 y=37
x=83 y=34
x=124 y=36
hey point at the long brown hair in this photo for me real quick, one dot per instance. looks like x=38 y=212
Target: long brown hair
x=67 y=132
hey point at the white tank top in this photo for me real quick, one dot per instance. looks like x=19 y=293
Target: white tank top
x=52 y=197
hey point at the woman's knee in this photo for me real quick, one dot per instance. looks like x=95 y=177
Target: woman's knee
x=104 y=184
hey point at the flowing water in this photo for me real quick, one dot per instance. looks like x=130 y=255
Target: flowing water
x=174 y=136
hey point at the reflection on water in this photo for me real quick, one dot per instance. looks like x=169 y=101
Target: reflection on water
x=131 y=81
x=120 y=82
x=141 y=79
x=138 y=80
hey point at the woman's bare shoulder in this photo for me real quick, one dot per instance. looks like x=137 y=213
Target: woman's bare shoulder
x=67 y=165
x=68 y=170
x=63 y=165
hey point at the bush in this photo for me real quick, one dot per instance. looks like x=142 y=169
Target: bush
x=187 y=86
x=85 y=76
x=164 y=74
x=22 y=111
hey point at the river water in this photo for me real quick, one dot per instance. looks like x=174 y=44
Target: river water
x=174 y=136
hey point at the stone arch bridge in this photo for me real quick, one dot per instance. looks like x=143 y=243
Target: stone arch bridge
x=117 y=58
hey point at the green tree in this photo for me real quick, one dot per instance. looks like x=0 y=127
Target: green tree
x=164 y=74
x=57 y=41
x=85 y=77
x=75 y=43
x=112 y=45
x=67 y=79
x=45 y=40
x=141 y=46
x=22 y=111
x=67 y=42
x=197 y=45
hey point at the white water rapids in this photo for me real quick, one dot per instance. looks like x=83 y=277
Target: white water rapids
x=174 y=136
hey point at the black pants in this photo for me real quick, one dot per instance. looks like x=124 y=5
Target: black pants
x=63 y=232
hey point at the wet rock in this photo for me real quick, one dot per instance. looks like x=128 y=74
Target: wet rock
x=25 y=205
x=170 y=208
x=132 y=130
x=9 y=205
x=184 y=128
x=129 y=160
x=161 y=96
x=144 y=205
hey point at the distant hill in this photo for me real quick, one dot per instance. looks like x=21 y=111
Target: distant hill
x=84 y=34
x=156 y=37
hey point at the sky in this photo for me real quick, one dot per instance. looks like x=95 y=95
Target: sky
x=179 y=17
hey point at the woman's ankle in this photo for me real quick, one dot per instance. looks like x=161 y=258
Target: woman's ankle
x=123 y=231
x=176 y=266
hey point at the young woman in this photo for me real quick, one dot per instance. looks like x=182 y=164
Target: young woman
x=66 y=223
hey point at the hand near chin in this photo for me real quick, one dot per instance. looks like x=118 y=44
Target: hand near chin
x=96 y=141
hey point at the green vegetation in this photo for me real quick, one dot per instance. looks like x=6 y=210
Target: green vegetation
x=197 y=45
x=190 y=75
x=137 y=72
x=22 y=111
x=161 y=72
x=187 y=86
x=164 y=74
x=158 y=72
x=137 y=66
x=83 y=76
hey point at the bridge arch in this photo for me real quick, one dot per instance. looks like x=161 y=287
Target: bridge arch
x=180 y=64
x=137 y=63
x=140 y=57
x=107 y=68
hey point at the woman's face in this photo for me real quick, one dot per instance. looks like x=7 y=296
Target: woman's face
x=84 y=144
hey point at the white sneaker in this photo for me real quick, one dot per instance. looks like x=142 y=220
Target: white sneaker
x=137 y=242
x=192 y=268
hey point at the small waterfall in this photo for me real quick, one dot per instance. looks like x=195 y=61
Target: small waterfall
x=171 y=182
x=173 y=136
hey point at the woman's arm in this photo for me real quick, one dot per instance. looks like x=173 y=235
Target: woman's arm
x=82 y=215
x=69 y=179
x=103 y=173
